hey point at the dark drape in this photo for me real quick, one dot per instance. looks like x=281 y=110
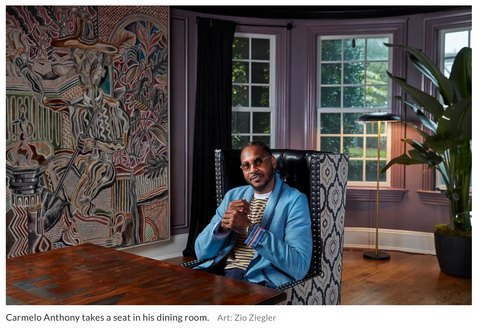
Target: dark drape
x=213 y=117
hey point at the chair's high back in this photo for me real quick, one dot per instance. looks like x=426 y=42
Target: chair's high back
x=322 y=177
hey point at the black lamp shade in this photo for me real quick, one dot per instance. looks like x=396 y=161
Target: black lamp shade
x=379 y=116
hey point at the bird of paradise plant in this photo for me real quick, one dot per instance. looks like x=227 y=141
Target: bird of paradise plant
x=446 y=145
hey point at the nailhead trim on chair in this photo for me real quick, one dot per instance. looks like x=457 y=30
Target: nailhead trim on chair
x=315 y=213
x=218 y=177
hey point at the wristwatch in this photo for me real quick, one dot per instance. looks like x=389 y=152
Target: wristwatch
x=249 y=229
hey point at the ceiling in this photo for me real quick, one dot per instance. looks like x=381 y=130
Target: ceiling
x=318 y=12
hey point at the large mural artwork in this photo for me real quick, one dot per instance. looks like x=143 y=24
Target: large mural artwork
x=87 y=120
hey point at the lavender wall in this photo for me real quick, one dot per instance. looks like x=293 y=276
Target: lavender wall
x=410 y=213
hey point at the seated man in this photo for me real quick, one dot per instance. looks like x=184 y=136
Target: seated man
x=264 y=228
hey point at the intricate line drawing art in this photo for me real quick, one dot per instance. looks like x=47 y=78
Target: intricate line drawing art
x=88 y=129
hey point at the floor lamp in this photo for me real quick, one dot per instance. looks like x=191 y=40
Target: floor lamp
x=378 y=117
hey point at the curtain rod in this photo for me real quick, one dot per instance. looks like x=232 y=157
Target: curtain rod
x=289 y=26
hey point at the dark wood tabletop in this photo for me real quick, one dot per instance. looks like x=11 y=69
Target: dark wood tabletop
x=89 y=274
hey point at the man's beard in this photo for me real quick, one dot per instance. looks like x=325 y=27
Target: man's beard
x=267 y=181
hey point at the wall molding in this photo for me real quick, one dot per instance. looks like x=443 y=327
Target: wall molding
x=390 y=239
x=433 y=197
x=370 y=194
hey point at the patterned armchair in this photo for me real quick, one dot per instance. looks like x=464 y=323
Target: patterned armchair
x=322 y=177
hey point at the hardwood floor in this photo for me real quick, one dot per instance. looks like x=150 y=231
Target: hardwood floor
x=405 y=279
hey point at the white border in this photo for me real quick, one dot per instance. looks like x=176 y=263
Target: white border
x=390 y=239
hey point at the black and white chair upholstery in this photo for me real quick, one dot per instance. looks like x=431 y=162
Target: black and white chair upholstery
x=322 y=177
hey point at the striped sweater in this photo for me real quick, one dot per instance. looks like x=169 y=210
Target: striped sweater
x=242 y=254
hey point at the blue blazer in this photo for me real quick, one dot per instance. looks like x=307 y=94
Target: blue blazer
x=283 y=243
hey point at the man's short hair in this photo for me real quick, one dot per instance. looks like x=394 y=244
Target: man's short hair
x=259 y=144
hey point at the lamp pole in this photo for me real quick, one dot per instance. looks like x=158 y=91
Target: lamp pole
x=378 y=117
x=378 y=186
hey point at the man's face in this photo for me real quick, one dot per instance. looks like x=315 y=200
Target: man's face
x=261 y=178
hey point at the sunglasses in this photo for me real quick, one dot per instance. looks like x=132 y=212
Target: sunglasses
x=257 y=162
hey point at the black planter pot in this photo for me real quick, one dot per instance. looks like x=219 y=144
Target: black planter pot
x=454 y=255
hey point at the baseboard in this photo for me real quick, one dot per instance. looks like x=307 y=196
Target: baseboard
x=390 y=239
x=355 y=237
x=162 y=250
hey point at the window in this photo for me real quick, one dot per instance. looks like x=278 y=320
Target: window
x=253 y=99
x=353 y=80
x=451 y=42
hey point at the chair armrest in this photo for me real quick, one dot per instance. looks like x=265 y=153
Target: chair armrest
x=311 y=291
x=193 y=263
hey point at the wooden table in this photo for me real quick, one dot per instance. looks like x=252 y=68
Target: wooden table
x=88 y=274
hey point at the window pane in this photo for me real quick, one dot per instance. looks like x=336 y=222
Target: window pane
x=328 y=143
x=355 y=170
x=353 y=146
x=261 y=122
x=376 y=97
x=330 y=97
x=448 y=63
x=377 y=73
x=260 y=49
x=264 y=139
x=240 y=122
x=442 y=180
x=353 y=97
x=383 y=147
x=354 y=73
x=331 y=50
x=238 y=141
x=354 y=53
x=260 y=73
x=240 y=48
x=330 y=123
x=351 y=125
x=260 y=96
x=372 y=128
x=455 y=41
x=371 y=171
x=372 y=147
x=240 y=96
x=376 y=50
x=331 y=74
x=240 y=72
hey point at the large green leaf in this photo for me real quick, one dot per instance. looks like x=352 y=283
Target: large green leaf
x=458 y=117
x=425 y=135
x=415 y=145
x=430 y=70
x=416 y=155
x=404 y=160
x=443 y=141
x=429 y=158
x=463 y=159
x=461 y=76
x=424 y=100
x=427 y=122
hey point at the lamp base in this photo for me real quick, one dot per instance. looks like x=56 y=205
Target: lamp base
x=374 y=256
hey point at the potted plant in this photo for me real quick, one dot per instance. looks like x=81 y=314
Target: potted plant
x=446 y=147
